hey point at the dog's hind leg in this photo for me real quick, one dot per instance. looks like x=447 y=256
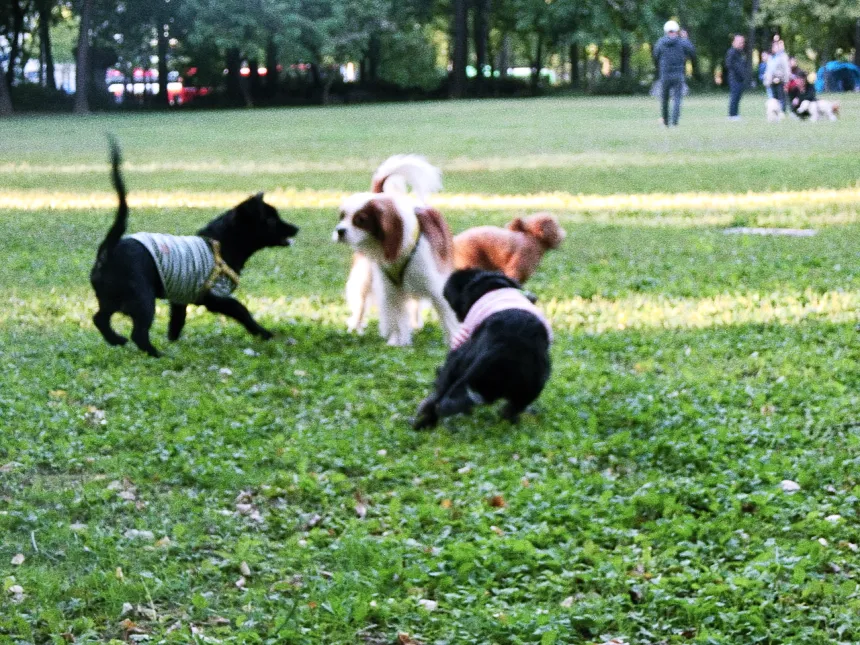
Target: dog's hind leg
x=237 y=311
x=142 y=314
x=177 y=321
x=512 y=411
x=102 y=322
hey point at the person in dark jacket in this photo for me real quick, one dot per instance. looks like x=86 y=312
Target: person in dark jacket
x=802 y=96
x=670 y=57
x=737 y=70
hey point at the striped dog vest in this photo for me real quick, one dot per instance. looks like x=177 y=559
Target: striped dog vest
x=185 y=263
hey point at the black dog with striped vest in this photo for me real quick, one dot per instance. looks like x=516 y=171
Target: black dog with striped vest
x=203 y=269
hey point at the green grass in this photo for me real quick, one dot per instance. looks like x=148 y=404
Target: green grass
x=693 y=372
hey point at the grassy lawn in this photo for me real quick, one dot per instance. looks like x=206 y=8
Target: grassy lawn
x=240 y=491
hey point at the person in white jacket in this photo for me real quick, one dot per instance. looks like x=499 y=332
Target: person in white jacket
x=777 y=72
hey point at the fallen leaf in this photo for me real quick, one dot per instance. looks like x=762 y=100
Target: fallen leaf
x=567 y=603
x=118 y=573
x=9 y=467
x=69 y=637
x=135 y=534
x=497 y=530
x=127 y=608
x=404 y=639
x=446 y=503
x=497 y=501
x=789 y=486
x=240 y=583
x=833 y=518
x=17 y=590
x=361 y=510
x=245 y=569
x=18 y=559
x=163 y=542
x=429 y=605
x=127 y=495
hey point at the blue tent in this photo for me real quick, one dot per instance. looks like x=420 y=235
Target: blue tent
x=837 y=76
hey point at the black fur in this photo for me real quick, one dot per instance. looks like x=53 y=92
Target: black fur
x=126 y=279
x=506 y=357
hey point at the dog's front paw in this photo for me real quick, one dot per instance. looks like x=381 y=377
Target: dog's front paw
x=425 y=416
x=265 y=334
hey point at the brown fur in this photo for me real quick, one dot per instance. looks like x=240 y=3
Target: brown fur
x=379 y=217
x=435 y=229
x=836 y=108
x=515 y=250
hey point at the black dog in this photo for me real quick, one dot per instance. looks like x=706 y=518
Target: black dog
x=501 y=352
x=131 y=272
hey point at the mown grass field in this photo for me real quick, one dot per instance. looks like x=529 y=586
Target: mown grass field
x=240 y=491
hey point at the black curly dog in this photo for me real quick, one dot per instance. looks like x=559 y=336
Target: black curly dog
x=506 y=357
x=126 y=278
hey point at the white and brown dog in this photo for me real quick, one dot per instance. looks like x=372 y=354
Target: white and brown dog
x=820 y=109
x=404 y=248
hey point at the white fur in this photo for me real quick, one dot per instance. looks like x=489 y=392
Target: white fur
x=423 y=277
x=773 y=110
x=412 y=170
x=821 y=109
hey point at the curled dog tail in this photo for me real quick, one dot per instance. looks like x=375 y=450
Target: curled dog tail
x=399 y=171
x=116 y=231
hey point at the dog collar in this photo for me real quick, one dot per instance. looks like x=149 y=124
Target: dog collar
x=396 y=271
x=221 y=268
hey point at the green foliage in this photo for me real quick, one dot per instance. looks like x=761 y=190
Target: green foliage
x=409 y=60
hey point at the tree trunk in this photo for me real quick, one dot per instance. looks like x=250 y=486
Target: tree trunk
x=504 y=56
x=626 y=52
x=374 y=53
x=18 y=13
x=481 y=37
x=5 y=99
x=751 y=41
x=163 y=43
x=857 y=42
x=255 y=86
x=271 y=68
x=45 y=43
x=537 y=65
x=461 y=50
x=82 y=69
x=234 y=82
x=574 y=65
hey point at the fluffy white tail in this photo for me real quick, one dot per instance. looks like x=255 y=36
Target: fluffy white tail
x=399 y=171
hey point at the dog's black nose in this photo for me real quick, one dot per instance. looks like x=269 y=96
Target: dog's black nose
x=341 y=233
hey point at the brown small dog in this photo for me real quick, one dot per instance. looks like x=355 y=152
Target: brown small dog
x=515 y=250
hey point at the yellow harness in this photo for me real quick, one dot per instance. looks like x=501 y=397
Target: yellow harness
x=396 y=271
x=221 y=268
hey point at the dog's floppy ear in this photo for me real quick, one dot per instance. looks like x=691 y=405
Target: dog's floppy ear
x=380 y=218
x=517 y=226
x=436 y=230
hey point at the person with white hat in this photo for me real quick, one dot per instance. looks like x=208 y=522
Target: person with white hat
x=670 y=58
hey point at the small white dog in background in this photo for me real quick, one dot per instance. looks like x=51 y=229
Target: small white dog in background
x=773 y=109
x=820 y=109
x=404 y=249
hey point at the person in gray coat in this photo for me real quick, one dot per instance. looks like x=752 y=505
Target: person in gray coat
x=670 y=58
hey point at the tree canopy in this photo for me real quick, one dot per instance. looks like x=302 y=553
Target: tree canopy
x=259 y=51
